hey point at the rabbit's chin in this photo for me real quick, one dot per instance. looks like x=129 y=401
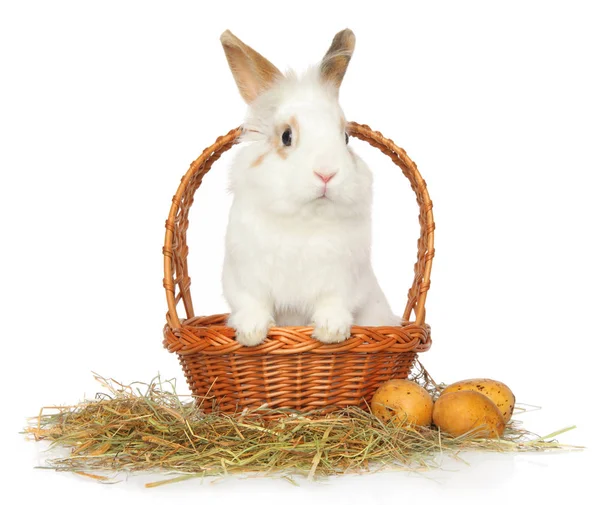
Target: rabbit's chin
x=330 y=206
x=320 y=208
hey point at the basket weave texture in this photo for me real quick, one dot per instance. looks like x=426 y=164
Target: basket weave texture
x=290 y=369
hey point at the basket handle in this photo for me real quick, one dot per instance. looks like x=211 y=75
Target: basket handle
x=417 y=294
x=176 y=279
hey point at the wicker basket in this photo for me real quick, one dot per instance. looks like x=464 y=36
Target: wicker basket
x=290 y=369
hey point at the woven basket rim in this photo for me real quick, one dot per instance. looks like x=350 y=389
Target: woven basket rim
x=211 y=335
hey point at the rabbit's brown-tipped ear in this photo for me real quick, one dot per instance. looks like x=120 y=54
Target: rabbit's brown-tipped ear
x=253 y=73
x=335 y=62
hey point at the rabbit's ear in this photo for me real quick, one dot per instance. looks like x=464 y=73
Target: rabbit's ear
x=335 y=62
x=252 y=72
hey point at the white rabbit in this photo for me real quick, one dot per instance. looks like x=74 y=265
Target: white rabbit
x=298 y=242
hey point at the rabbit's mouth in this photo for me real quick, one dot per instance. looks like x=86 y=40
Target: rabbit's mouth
x=324 y=195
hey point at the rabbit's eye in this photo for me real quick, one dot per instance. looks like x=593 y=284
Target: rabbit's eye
x=286 y=137
x=347 y=138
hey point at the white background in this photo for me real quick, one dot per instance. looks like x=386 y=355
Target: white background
x=103 y=105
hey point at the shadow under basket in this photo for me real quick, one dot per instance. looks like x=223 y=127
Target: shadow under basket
x=290 y=369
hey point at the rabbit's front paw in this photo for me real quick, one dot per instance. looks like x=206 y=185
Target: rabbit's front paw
x=332 y=326
x=250 y=327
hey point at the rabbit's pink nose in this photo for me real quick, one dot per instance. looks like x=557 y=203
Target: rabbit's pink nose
x=325 y=178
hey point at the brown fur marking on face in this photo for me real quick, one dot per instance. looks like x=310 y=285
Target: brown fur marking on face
x=295 y=131
x=337 y=58
x=276 y=142
x=282 y=152
x=258 y=160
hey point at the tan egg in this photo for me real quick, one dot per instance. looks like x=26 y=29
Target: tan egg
x=462 y=411
x=404 y=399
x=496 y=391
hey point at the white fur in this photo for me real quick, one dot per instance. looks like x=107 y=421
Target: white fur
x=292 y=258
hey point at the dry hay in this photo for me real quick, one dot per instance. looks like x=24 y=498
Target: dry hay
x=148 y=427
